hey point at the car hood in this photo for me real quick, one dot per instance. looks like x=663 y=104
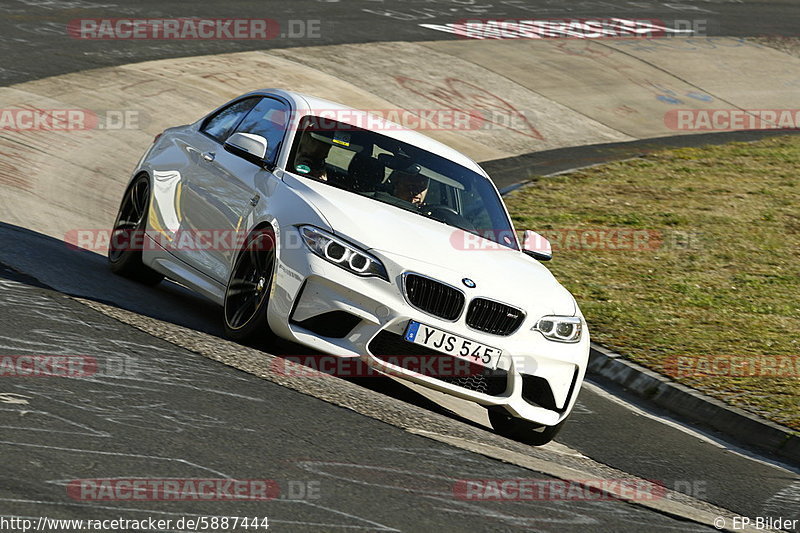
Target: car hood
x=410 y=242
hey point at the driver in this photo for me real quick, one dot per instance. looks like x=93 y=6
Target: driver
x=410 y=187
x=311 y=154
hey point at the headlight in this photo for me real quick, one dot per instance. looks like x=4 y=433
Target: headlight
x=560 y=328
x=342 y=254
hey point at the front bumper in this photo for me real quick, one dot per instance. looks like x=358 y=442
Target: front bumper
x=333 y=311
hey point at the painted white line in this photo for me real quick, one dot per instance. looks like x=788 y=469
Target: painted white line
x=785 y=503
x=13 y=398
x=701 y=435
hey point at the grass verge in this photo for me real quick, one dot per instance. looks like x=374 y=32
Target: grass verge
x=707 y=265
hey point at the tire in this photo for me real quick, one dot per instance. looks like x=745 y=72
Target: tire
x=522 y=430
x=249 y=287
x=125 y=245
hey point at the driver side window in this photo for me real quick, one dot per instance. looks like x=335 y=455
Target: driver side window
x=269 y=119
x=220 y=126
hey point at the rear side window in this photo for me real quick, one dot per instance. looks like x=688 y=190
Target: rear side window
x=220 y=126
x=269 y=119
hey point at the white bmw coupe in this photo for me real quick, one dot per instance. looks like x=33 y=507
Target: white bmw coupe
x=333 y=228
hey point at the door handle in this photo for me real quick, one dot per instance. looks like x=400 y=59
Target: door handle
x=209 y=156
x=254 y=200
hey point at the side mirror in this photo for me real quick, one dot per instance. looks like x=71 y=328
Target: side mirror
x=248 y=146
x=536 y=246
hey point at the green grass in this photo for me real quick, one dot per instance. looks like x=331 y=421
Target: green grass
x=726 y=279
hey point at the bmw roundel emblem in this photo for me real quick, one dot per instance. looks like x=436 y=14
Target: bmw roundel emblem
x=468 y=282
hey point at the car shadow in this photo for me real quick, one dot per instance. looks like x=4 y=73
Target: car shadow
x=37 y=259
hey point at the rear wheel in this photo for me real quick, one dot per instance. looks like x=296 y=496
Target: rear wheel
x=522 y=430
x=127 y=237
x=249 y=286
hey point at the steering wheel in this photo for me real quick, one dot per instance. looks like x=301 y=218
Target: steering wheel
x=434 y=210
x=448 y=215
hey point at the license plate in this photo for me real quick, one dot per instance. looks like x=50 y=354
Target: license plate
x=445 y=342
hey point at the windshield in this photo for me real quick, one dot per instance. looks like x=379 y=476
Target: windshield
x=402 y=175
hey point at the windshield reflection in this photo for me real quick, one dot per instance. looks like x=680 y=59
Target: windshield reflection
x=399 y=174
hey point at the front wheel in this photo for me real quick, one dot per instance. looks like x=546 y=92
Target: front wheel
x=522 y=430
x=249 y=286
x=127 y=237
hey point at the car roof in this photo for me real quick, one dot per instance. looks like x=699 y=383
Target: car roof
x=306 y=105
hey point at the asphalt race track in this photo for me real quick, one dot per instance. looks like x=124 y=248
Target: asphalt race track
x=602 y=428
x=178 y=415
x=367 y=454
x=34 y=43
